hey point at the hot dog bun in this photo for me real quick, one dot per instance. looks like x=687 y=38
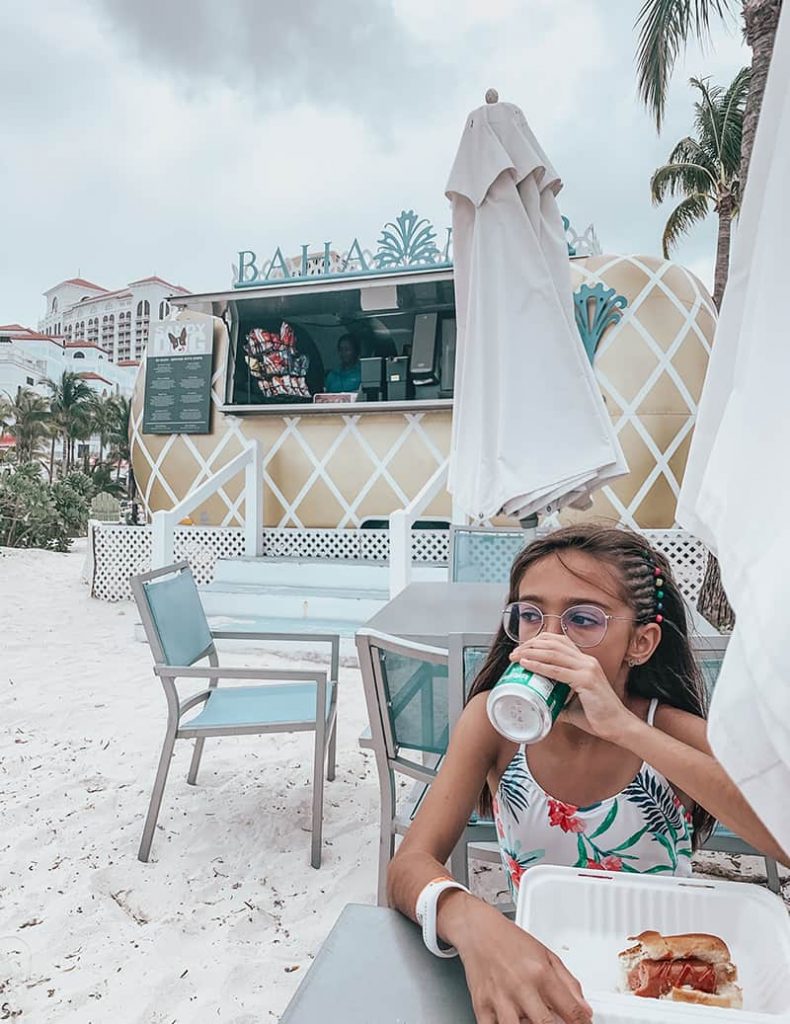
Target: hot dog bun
x=727 y=995
x=654 y=946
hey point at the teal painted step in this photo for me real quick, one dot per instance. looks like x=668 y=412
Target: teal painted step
x=344 y=628
x=308 y=572
x=298 y=602
x=298 y=590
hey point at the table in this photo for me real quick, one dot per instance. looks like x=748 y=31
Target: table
x=428 y=613
x=374 y=969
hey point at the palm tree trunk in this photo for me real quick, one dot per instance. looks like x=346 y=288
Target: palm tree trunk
x=722 y=249
x=760 y=20
x=712 y=601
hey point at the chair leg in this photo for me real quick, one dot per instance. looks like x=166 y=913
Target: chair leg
x=194 y=764
x=318 y=796
x=386 y=853
x=772 y=871
x=459 y=862
x=331 y=757
x=156 y=796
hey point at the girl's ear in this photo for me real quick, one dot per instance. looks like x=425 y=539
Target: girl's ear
x=644 y=642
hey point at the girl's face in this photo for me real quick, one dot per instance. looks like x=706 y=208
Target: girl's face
x=553 y=588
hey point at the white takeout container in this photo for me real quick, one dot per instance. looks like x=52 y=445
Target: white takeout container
x=586 y=918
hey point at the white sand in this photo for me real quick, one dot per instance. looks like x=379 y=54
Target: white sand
x=224 y=920
x=214 y=925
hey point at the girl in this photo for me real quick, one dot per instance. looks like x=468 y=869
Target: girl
x=625 y=781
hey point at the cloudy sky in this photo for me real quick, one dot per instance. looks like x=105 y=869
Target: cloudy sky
x=162 y=136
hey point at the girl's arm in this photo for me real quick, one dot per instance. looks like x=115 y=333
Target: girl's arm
x=678 y=748
x=511 y=976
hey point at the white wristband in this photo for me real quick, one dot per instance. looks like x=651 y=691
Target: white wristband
x=425 y=912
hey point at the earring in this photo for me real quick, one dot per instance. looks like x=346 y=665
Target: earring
x=632 y=662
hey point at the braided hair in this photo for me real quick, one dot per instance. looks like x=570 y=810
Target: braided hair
x=647 y=585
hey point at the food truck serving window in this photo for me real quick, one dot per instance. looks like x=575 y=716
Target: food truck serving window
x=336 y=346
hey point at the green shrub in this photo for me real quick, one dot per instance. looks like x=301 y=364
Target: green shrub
x=28 y=515
x=35 y=514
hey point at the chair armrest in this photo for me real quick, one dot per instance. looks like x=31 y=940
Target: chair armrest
x=226 y=672
x=333 y=639
x=254 y=634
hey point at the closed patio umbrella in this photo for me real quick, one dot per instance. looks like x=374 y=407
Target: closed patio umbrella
x=736 y=491
x=530 y=429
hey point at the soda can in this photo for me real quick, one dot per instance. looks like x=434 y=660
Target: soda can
x=523 y=706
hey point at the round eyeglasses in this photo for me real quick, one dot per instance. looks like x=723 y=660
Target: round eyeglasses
x=584 y=624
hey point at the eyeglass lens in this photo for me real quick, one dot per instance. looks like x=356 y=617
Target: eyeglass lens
x=584 y=624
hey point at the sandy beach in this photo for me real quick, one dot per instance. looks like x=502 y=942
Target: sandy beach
x=224 y=920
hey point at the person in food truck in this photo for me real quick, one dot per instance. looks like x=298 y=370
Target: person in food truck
x=348 y=375
x=623 y=780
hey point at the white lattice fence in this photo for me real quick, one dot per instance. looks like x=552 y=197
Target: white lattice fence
x=118 y=553
x=687 y=555
x=123 y=551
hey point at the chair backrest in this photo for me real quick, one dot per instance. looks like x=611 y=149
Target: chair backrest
x=105 y=508
x=406 y=690
x=480 y=554
x=172 y=615
x=709 y=652
x=467 y=652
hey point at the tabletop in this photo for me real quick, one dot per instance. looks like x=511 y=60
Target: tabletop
x=374 y=969
x=428 y=613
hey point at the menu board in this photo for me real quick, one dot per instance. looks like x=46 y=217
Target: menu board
x=178 y=378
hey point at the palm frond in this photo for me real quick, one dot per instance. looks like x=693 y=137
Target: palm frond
x=733 y=106
x=707 y=116
x=681 y=179
x=691 y=211
x=664 y=29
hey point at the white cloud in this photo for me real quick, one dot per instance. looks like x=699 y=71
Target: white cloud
x=134 y=148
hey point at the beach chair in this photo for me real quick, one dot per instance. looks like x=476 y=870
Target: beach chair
x=412 y=706
x=709 y=651
x=484 y=554
x=287 y=701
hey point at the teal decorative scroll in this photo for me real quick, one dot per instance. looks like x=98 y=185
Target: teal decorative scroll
x=596 y=309
x=408 y=242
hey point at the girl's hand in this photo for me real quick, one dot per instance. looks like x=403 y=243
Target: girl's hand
x=512 y=977
x=598 y=709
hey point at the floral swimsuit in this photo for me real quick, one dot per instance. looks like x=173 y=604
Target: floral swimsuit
x=644 y=829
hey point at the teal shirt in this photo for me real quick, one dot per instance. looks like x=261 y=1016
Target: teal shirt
x=344 y=380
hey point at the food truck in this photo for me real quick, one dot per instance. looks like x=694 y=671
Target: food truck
x=340 y=363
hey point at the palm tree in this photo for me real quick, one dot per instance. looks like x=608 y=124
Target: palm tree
x=705 y=170
x=104 y=418
x=71 y=403
x=27 y=419
x=665 y=27
x=120 y=440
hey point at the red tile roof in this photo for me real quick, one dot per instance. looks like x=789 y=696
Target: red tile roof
x=80 y=282
x=20 y=333
x=81 y=343
x=90 y=375
x=128 y=362
x=119 y=293
x=159 y=280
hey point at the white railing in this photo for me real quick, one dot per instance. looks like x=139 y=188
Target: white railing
x=163 y=523
x=401 y=522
